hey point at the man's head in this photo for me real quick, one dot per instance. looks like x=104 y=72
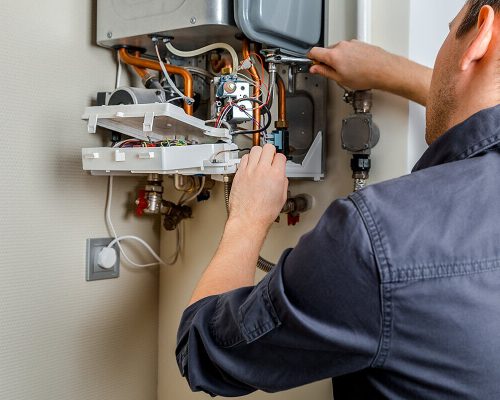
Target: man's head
x=466 y=75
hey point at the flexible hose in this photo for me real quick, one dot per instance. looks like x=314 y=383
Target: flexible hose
x=206 y=49
x=262 y=263
x=188 y=100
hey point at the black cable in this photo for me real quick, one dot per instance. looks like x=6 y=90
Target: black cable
x=268 y=121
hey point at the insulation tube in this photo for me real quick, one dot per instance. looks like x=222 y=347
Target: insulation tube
x=206 y=49
x=364 y=16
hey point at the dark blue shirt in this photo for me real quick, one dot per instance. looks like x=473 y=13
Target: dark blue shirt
x=395 y=294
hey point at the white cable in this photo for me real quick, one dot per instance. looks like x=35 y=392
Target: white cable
x=189 y=100
x=118 y=70
x=173 y=258
x=138 y=239
x=115 y=236
x=247 y=79
x=206 y=49
x=194 y=196
x=174 y=99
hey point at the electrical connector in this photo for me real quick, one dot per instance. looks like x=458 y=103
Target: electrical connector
x=280 y=139
x=107 y=258
x=245 y=64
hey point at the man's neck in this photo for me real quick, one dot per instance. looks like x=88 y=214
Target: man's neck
x=478 y=91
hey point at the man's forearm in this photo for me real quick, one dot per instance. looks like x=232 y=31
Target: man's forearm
x=233 y=265
x=407 y=79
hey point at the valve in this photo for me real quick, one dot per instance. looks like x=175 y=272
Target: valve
x=141 y=203
x=294 y=206
x=174 y=214
x=149 y=199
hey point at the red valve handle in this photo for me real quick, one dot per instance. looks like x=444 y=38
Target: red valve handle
x=293 y=219
x=141 y=203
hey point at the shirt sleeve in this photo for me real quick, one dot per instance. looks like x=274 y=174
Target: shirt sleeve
x=317 y=315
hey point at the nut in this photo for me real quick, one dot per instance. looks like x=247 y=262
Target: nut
x=281 y=124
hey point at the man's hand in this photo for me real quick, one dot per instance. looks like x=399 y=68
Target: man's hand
x=258 y=194
x=360 y=66
x=354 y=64
x=259 y=188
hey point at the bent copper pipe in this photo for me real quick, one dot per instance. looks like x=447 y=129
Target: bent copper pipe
x=137 y=61
x=142 y=72
x=256 y=111
x=281 y=101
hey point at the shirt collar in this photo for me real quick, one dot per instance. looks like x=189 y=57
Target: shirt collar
x=473 y=136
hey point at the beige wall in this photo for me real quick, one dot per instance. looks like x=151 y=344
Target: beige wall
x=61 y=337
x=203 y=232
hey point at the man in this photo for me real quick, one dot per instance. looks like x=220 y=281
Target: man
x=396 y=292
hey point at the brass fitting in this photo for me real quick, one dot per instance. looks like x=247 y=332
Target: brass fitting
x=281 y=124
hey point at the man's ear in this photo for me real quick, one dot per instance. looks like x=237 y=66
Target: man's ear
x=482 y=38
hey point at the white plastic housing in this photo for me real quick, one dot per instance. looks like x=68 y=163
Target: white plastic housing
x=207 y=159
x=158 y=121
x=214 y=155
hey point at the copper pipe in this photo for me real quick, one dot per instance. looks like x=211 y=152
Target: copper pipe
x=281 y=101
x=142 y=72
x=137 y=61
x=245 y=50
x=220 y=63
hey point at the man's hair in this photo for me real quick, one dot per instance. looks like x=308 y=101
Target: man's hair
x=470 y=19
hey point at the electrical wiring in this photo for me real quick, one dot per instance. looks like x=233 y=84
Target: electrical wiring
x=225 y=110
x=174 y=257
x=220 y=119
x=187 y=99
x=119 y=69
x=115 y=236
x=175 y=142
x=126 y=141
x=214 y=121
x=262 y=129
x=247 y=79
x=256 y=76
x=163 y=143
x=174 y=99
x=203 y=50
x=194 y=196
x=257 y=82
x=138 y=239
x=214 y=157
x=257 y=123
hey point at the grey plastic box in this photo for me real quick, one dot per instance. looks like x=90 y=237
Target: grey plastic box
x=292 y=25
x=193 y=23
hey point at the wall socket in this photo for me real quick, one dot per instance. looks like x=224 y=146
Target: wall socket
x=93 y=271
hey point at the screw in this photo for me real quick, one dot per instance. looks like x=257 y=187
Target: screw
x=109 y=35
x=193 y=20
